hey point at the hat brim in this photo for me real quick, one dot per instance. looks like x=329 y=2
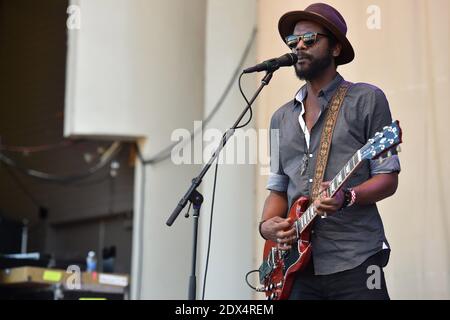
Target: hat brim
x=288 y=21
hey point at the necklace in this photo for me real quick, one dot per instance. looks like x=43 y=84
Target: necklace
x=304 y=164
x=305 y=157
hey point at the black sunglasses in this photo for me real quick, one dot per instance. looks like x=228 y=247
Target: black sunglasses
x=309 y=39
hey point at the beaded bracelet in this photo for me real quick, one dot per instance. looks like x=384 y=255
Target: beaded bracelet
x=349 y=198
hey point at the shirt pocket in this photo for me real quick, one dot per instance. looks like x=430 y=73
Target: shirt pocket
x=292 y=166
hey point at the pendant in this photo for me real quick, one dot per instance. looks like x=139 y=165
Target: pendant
x=304 y=164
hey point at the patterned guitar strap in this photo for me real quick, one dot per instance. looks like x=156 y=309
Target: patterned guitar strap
x=326 y=137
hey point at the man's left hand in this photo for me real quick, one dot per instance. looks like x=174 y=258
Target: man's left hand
x=325 y=205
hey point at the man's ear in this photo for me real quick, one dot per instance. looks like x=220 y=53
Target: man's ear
x=337 y=50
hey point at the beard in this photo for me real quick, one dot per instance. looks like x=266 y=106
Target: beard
x=315 y=68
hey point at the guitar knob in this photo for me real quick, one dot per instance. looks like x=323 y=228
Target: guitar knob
x=271 y=287
x=272 y=296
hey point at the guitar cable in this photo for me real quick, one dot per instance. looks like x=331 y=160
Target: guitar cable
x=210 y=229
x=257 y=289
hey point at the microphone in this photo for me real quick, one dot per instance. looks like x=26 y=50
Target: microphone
x=287 y=60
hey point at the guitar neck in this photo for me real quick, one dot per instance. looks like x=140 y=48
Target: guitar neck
x=344 y=174
x=335 y=184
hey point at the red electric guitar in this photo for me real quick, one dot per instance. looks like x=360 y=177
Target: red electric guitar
x=278 y=269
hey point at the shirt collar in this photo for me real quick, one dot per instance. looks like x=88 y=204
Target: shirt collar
x=327 y=92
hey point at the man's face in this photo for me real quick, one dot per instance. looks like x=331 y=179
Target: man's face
x=314 y=59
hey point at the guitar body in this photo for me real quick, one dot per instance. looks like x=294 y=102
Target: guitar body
x=278 y=284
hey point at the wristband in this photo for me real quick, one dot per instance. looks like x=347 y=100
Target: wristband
x=259 y=229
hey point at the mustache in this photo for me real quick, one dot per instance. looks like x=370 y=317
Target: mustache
x=304 y=56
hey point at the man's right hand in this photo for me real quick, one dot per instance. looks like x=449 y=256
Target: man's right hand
x=279 y=230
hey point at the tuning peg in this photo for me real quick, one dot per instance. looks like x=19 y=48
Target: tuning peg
x=380 y=160
x=399 y=149
x=389 y=154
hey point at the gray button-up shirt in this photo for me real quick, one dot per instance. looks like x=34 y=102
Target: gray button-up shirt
x=347 y=238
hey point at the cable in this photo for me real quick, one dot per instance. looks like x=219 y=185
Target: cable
x=41 y=148
x=249 y=107
x=165 y=153
x=104 y=160
x=260 y=289
x=210 y=229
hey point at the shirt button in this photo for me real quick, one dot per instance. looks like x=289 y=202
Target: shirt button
x=310 y=155
x=310 y=180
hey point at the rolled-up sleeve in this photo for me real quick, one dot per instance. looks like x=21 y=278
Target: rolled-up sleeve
x=379 y=115
x=277 y=181
x=388 y=165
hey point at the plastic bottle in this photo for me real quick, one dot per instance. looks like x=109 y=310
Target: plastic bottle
x=91 y=262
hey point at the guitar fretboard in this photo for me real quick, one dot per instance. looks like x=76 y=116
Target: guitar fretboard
x=334 y=186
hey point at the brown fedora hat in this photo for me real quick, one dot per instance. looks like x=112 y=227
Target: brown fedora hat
x=326 y=16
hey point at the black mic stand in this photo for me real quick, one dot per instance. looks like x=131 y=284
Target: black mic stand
x=196 y=198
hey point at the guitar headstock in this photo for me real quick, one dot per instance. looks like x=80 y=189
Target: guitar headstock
x=383 y=142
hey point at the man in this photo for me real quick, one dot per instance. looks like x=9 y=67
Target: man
x=350 y=236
